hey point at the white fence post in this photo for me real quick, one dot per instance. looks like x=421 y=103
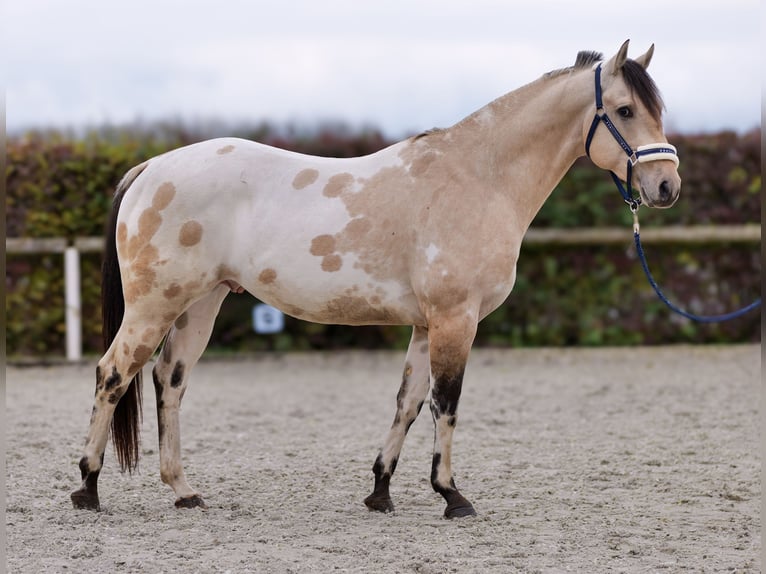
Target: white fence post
x=73 y=304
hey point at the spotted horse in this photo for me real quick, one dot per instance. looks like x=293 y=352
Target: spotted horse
x=424 y=233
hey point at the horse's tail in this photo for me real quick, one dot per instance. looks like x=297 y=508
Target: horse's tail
x=125 y=423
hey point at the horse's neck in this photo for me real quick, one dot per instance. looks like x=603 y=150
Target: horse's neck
x=524 y=142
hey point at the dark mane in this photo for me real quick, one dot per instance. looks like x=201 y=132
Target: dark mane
x=584 y=59
x=428 y=133
x=587 y=58
x=643 y=87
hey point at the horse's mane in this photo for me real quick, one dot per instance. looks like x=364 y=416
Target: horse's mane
x=635 y=76
x=585 y=59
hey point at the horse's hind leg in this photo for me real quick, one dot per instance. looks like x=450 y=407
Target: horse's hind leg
x=132 y=347
x=409 y=401
x=450 y=342
x=183 y=347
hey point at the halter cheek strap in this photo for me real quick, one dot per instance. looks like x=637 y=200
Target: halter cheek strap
x=644 y=153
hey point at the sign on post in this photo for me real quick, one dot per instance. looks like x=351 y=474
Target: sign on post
x=267 y=320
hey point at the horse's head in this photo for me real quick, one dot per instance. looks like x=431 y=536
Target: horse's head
x=628 y=103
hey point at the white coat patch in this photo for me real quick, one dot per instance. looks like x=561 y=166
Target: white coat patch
x=432 y=251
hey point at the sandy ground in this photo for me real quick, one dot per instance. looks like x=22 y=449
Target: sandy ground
x=629 y=460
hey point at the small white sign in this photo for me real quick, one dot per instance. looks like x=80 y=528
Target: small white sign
x=267 y=320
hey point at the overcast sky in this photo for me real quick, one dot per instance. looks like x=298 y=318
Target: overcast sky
x=399 y=65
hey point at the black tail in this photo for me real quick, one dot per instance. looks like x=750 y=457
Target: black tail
x=126 y=423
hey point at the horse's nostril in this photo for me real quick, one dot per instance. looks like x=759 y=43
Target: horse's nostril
x=664 y=191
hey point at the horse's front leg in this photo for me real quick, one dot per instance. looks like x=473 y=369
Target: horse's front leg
x=409 y=401
x=450 y=341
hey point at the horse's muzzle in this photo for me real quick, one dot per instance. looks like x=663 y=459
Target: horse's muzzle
x=661 y=192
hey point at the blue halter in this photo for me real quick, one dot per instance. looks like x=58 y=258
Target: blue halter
x=650 y=152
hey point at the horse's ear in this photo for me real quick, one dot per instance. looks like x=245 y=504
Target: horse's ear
x=644 y=60
x=621 y=57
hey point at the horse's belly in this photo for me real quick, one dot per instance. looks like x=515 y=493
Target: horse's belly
x=350 y=302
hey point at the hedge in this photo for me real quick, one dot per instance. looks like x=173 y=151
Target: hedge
x=60 y=185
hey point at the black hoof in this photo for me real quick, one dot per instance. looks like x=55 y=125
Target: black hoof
x=85 y=500
x=459 y=511
x=457 y=505
x=194 y=501
x=379 y=503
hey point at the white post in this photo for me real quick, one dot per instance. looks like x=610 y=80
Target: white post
x=73 y=306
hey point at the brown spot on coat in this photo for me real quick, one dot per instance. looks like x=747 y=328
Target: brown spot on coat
x=322 y=245
x=173 y=291
x=305 y=178
x=148 y=223
x=140 y=255
x=141 y=275
x=357 y=310
x=122 y=235
x=190 y=234
x=267 y=276
x=164 y=195
x=337 y=184
x=225 y=149
x=140 y=356
x=331 y=263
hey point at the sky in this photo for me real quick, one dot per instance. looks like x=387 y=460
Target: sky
x=397 y=65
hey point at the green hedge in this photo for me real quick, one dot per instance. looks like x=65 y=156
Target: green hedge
x=60 y=185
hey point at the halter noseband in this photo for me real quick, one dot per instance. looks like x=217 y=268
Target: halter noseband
x=644 y=153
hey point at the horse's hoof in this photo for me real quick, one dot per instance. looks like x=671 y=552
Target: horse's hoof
x=85 y=500
x=379 y=503
x=459 y=511
x=193 y=501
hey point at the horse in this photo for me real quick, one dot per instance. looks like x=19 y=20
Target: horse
x=424 y=233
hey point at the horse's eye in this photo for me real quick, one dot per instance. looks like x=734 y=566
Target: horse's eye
x=625 y=112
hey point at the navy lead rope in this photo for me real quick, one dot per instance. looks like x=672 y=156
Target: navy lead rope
x=699 y=318
x=641 y=154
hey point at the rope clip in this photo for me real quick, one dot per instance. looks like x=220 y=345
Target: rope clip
x=634 y=210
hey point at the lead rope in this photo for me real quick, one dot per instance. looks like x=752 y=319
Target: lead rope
x=650 y=152
x=699 y=318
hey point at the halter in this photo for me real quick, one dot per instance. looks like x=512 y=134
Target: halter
x=644 y=153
